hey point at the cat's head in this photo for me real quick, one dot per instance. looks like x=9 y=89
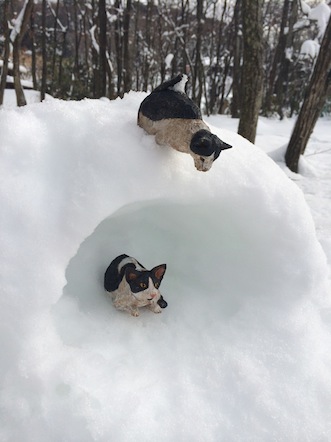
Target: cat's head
x=144 y=284
x=205 y=149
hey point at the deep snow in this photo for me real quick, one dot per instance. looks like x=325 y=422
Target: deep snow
x=242 y=353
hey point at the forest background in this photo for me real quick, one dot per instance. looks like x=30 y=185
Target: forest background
x=72 y=49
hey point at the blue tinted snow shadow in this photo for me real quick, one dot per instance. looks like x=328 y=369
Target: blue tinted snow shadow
x=201 y=250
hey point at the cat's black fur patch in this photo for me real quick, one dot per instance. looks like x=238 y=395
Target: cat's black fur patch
x=113 y=277
x=169 y=104
x=142 y=277
x=164 y=103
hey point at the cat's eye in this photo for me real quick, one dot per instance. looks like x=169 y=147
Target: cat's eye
x=156 y=285
x=143 y=285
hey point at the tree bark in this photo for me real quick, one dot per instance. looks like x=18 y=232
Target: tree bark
x=278 y=58
x=55 y=44
x=252 y=71
x=126 y=50
x=4 y=73
x=281 y=85
x=148 y=41
x=197 y=80
x=235 y=104
x=312 y=105
x=102 y=49
x=16 y=39
x=44 y=53
x=33 y=51
x=118 y=46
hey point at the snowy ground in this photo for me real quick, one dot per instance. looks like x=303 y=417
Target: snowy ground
x=242 y=353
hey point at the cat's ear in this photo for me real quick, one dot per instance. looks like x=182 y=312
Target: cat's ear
x=131 y=274
x=159 y=271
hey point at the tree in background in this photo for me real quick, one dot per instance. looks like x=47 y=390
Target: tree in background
x=236 y=45
x=43 y=52
x=252 y=70
x=313 y=103
x=127 y=84
x=198 y=77
x=6 y=50
x=102 y=80
x=16 y=37
x=278 y=74
x=93 y=48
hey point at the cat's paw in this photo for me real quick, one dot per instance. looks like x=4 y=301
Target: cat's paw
x=134 y=313
x=156 y=308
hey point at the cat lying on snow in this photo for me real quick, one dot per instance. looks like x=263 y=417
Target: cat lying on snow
x=132 y=286
x=170 y=115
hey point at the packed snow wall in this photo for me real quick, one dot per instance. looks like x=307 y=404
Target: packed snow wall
x=241 y=352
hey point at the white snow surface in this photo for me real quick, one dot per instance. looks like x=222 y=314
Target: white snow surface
x=242 y=353
x=31 y=96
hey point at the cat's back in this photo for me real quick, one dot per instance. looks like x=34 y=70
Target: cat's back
x=168 y=104
x=116 y=270
x=112 y=276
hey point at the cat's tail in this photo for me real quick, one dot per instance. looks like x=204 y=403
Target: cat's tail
x=162 y=303
x=176 y=84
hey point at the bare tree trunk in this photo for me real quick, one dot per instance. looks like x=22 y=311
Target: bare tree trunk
x=44 y=53
x=33 y=51
x=197 y=80
x=16 y=39
x=6 y=51
x=252 y=72
x=60 y=81
x=56 y=18
x=75 y=82
x=102 y=49
x=216 y=71
x=278 y=57
x=118 y=46
x=235 y=104
x=281 y=86
x=126 y=49
x=222 y=100
x=148 y=38
x=20 y=97
x=312 y=105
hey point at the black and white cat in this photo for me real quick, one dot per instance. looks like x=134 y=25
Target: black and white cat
x=132 y=286
x=176 y=121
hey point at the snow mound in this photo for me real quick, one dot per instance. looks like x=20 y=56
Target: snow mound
x=242 y=351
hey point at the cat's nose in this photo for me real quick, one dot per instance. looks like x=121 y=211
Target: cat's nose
x=153 y=295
